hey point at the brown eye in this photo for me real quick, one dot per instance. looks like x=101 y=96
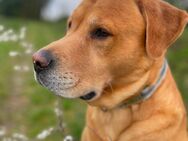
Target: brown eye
x=100 y=33
x=69 y=25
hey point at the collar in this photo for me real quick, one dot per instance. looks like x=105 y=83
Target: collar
x=148 y=91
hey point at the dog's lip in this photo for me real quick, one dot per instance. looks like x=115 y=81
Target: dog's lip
x=88 y=96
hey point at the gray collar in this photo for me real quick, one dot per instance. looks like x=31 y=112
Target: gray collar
x=148 y=91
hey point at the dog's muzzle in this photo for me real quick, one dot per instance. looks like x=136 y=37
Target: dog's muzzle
x=48 y=75
x=61 y=83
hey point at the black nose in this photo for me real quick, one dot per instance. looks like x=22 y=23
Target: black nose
x=42 y=60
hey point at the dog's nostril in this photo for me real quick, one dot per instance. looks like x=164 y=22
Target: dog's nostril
x=41 y=64
x=42 y=60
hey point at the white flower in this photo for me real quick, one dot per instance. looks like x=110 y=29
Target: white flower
x=10 y=35
x=58 y=112
x=68 y=138
x=45 y=133
x=2 y=132
x=17 y=68
x=8 y=139
x=13 y=53
x=9 y=32
x=25 y=68
x=28 y=51
x=20 y=136
x=13 y=38
x=22 y=33
x=25 y=44
x=1 y=28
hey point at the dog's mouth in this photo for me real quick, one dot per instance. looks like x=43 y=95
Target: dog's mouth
x=89 y=96
x=65 y=90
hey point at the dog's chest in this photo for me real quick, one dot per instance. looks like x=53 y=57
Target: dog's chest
x=109 y=125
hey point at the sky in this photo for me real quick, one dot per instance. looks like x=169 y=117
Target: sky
x=56 y=9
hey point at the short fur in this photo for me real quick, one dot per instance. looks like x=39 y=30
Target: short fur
x=120 y=66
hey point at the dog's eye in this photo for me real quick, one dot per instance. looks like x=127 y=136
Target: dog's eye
x=69 y=25
x=100 y=33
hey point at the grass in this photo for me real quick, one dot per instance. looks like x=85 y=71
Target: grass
x=27 y=107
x=177 y=57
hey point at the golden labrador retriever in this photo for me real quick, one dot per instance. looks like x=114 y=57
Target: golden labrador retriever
x=113 y=57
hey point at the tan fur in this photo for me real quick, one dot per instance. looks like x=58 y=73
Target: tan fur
x=122 y=65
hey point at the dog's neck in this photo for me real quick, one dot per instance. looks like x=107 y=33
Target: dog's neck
x=148 y=91
x=136 y=92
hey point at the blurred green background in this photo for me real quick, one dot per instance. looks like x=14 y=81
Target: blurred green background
x=26 y=107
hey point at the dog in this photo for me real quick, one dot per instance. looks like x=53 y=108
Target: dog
x=113 y=57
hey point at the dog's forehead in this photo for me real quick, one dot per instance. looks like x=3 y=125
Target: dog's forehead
x=108 y=14
x=107 y=8
x=111 y=4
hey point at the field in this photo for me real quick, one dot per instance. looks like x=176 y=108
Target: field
x=28 y=108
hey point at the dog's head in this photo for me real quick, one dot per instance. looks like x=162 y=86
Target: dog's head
x=110 y=44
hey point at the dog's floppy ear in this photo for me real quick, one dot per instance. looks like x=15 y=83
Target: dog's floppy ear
x=164 y=24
